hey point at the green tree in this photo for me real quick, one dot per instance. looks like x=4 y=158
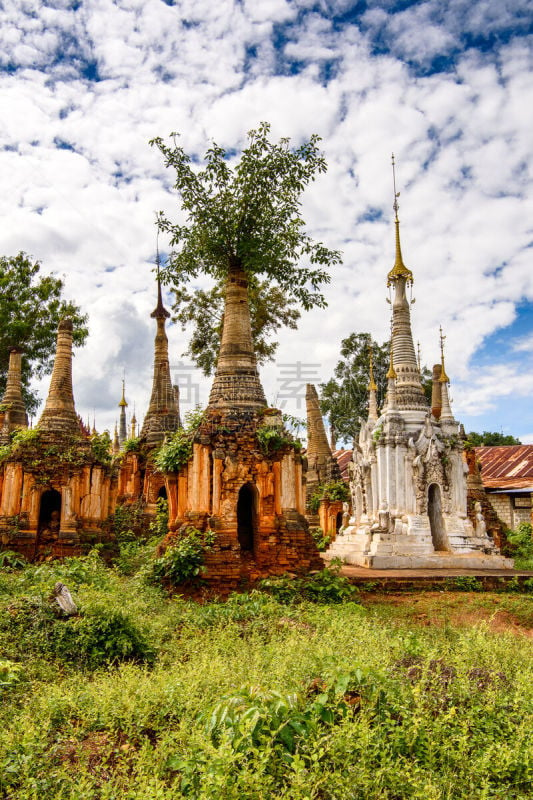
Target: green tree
x=344 y=398
x=270 y=310
x=31 y=307
x=246 y=218
x=490 y=438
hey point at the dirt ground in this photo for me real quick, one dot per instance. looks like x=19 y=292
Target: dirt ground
x=501 y=612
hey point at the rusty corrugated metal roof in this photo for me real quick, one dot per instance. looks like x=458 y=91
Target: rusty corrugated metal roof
x=506 y=467
x=343 y=459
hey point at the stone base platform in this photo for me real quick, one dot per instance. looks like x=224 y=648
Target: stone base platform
x=427 y=561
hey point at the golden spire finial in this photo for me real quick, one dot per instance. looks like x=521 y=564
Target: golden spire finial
x=372 y=383
x=391 y=374
x=399 y=269
x=443 y=377
x=123 y=398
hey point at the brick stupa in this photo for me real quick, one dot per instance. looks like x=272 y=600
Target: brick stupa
x=245 y=479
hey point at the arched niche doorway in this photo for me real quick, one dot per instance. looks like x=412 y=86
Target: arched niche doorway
x=338 y=521
x=247 y=517
x=50 y=509
x=436 y=522
x=162 y=493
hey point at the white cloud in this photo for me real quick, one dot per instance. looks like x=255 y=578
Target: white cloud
x=212 y=71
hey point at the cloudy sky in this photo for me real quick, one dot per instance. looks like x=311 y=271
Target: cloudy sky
x=447 y=86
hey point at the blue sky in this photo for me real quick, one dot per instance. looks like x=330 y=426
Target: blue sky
x=446 y=86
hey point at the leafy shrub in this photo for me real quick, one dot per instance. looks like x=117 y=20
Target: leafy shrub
x=335 y=490
x=132 y=445
x=159 y=527
x=127 y=521
x=271 y=439
x=101 y=447
x=322 y=542
x=11 y=560
x=10 y=674
x=175 y=452
x=326 y=586
x=183 y=561
x=521 y=541
x=103 y=636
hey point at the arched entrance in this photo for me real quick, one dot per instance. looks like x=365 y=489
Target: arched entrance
x=246 y=517
x=338 y=521
x=436 y=523
x=49 y=518
x=162 y=493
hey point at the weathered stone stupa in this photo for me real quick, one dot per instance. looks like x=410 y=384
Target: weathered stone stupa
x=163 y=415
x=245 y=478
x=53 y=489
x=13 y=413
x=408 y=477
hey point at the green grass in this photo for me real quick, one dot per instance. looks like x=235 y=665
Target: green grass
x=427 y=695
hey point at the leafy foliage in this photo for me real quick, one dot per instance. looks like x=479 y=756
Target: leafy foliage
x=322 y=542
x=248 y=217
x=326 y=586
x=521 y=541
x=31 y=307
x=183 y=561
x=103 y=636
x=176 y=451
x=270 y=309
x=335 y=490
x=132 y=445
x=101 y=447
x=271 y=439
x=489 y=438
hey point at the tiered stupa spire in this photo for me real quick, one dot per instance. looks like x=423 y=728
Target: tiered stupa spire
x=163 y=415
x=446 y=414
x=372 y=389
x=409 y=391
x=236 y=382
x=14 y=411
x=133 y=424
x=59 y=415
x=122 y=430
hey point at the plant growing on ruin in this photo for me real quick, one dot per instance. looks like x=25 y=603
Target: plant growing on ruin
x=332 y=491
x=246 y=218
x=101 y=447
x=132 y=445
x=176 y=451
x=183 y=561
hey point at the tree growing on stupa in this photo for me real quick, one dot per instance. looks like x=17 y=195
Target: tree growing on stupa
x=243 y=218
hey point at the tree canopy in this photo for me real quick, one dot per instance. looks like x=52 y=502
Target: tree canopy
x=31 y=306
x=344 y=398
x=248 y=216
x=489 y=438
x=270 y=309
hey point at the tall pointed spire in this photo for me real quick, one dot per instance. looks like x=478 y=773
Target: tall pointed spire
x=122 y=431
x=133 y=424
x=14 y=411
x=236 y=382
x=391 y=382
x=372 y=388
x=59 y=415
x=446 y=414
x=163 y=414
x=317 y=441
x=409 y=391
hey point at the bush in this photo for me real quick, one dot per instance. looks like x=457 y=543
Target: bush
x=183 y=561
x=322 y=542
x=521 y=541
x=335 y=490
x=326 y=586
x=102 y=637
